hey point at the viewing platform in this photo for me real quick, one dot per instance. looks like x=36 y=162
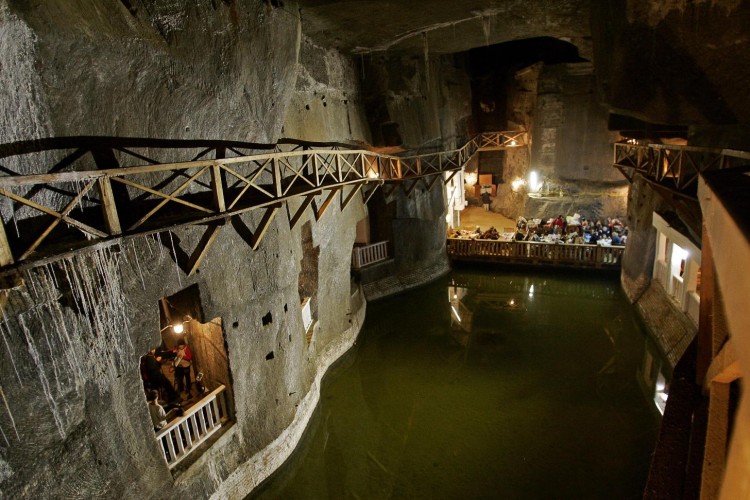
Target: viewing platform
x=535 y=253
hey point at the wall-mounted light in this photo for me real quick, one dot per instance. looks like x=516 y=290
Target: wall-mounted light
x=178 y=327
x=516 y=184
x=470 y=178
x=535 y=183
x=513 y=143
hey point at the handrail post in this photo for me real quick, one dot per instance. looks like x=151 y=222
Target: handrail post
x=6 y=256
x=111 y=218
x=276 y=177
x=217 y=186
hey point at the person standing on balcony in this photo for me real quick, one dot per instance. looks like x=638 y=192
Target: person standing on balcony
x=182 y=362
x=486 y=201
x=152 y=376
x=158 y=415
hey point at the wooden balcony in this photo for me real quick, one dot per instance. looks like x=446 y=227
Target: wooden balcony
x=535 y=253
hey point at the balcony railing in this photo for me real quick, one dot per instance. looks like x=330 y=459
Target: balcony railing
x=369 y=254
x=529 y=252
x=183 y=435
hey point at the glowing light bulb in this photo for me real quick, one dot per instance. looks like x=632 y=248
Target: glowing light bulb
x=178 y=328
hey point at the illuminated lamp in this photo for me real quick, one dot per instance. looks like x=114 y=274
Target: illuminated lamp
x=470 y=178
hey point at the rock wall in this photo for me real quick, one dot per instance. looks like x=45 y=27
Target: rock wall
x=413 y=104
x=674 y=62
x=638 y=259
x=572 y=148
x=74 y=419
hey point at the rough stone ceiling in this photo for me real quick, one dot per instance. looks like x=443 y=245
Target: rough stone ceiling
x=364 y=26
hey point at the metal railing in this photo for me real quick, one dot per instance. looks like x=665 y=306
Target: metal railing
x=369 y=254
x=88 y=207
x=595 y=256
x=184 y=434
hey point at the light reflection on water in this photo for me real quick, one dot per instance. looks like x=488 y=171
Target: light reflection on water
x=516 y=386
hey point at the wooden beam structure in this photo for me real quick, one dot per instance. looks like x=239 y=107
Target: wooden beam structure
x=204 y=245
x=209 y=192
x=265 y=222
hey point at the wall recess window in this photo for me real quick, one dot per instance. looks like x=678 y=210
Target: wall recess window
x=186 y=379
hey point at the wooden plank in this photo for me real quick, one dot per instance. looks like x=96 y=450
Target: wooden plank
x=407 y=191
x=298 y=214
x=350 y=196
x=435 y=178
x=6 y=255
x=57 y=221
x=217 y=186
x=265 y=222
x=327 y=203
x=167 y=197
x=201 y=250
x=453 y=174
x=374 y=188
x=387 y=191
x=109 y=208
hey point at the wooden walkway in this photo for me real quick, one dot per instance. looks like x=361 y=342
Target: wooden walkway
x=535 y=253
x=83 y=210
x=675 y=168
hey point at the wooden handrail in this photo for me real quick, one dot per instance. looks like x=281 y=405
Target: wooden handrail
x=235 y=185
x=542 y=253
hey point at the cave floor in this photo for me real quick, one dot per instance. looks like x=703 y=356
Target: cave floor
x=471 y=217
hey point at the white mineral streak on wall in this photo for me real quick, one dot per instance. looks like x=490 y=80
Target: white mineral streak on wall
x=10 y=415
x=22 y=110
x=70 y=346
x=249 y=475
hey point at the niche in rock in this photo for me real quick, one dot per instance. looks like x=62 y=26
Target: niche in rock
x=308 y=276
x=188 y=371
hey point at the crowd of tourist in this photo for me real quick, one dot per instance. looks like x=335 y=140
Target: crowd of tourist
x=561 y=229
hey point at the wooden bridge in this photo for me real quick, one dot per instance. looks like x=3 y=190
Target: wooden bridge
x=674 y=168
x=94 y=208
x=535 y=253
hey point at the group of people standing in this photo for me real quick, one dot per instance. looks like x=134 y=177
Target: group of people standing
x=157 y=385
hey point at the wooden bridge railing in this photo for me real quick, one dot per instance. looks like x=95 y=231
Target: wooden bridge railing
x=595 y=256
x=674 y=167
x=87 y=207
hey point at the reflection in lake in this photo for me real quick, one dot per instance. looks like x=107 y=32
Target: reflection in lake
x=517 y=386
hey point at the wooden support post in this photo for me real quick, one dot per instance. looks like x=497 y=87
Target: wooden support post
x=453 y=174
x=715 y=451
x=407 y=191
x=277 y=178
x=111 y=218
x=706 y=311
x=298 y=214
x=6 y=256
x=217 y=186
x=350 y=196
x=391 y=188
x=338 y=166
x=319 y=213
x=314 y=163
x=431 y=183
x=366 y=198
x=265 y=222
x=204 y=244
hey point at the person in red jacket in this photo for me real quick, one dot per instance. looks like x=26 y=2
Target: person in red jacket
x=182 y=362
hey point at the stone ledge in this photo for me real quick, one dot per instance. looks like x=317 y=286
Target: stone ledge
x=261 y=465
x=392 y=285
x=669 y=327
